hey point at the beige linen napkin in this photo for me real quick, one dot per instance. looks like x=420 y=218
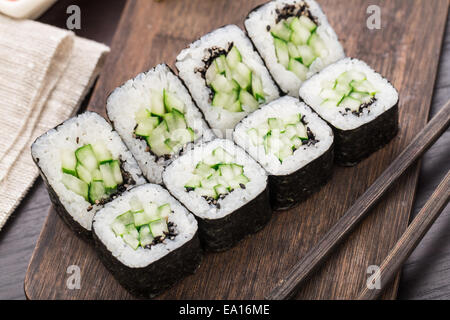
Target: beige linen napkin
x=45 y=73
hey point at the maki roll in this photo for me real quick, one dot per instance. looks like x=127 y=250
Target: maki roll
x=358 y=103
x=84 y=165
x=157 y=119
x=224 y=188
x=226 y=77
x=293 y=144
x=147 y=240
x=295 y=40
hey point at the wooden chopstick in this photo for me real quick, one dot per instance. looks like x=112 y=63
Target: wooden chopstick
x=410 y=239
x=301 y=271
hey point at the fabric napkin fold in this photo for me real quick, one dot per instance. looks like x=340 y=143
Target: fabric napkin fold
x=45 y=73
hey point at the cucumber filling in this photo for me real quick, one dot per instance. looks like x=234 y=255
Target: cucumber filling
x=144 y=225
x=297 y=44
x=92 y=173
x=163 y=125
x=282 y=137
x=234 y=86
x=351 y=91
x=217 y=176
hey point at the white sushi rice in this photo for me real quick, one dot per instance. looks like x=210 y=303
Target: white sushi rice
x=280 y=108
x=186 y=226
x=181 y=171
x=256 y=26
x=126 y=100
x=386 y=96
x=190 y=59
x=88 y=128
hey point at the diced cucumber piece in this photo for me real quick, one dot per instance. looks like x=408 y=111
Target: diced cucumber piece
x=293 y=50
x=174 y=121
x=301 y=131
x=220 y=189
x=343 y=88
x=209 y=183
x=101 y=152
x=363 y=97
x=211 y=74
x=83 y=173
x=76 y=185
x=318 y=45
x=234 y=57
x=171 y=102
x=275 y=123
x=300 y=34
x=236 y=182
x=164 y=211
x=344 y=78
x=118 y=228
x=258 y=89
x=220 y=64
x=96 y=191
x=222 y=156
x=117 y=172
x=350 y=103
x=158 y=228
x=172 y=145
x=222 y=84
x=108 y=177
x=297 y=142
x=135 y=204
x=237 y=169
x=248 y=100
x=298 y=69
x=145 y=236
x=194 y=182
x=281 y=31
x=203 y=170
x=183 y=136
x=131 y=236
x=141 y=218
x=85 y=155
x=307 y=55
x=151 y=211
x=293 y=118
x=209 y=193
x=291 y=131
x=224 y=100
x=329 y=103
x=357 y=75
x=126 y=218
x=226 y=171
x=308 y=23
x=363 y=86
x=331 y=94
x=234 y=107
x=157 y=138
x=141 y=114
x=146 y=126
x=157 y=99
x=282 y=52
x=285 y=153
x=97 y=175
x=68 y=162
x=243 y=76
x=255 y=138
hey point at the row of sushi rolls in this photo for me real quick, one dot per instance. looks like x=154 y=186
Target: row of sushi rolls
x=252 y=123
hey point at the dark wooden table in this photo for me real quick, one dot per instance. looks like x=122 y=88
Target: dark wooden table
x=426 y=275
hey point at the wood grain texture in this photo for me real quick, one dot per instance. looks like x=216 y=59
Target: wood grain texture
x=303 y=269
x=409 y=240
x=253 y=267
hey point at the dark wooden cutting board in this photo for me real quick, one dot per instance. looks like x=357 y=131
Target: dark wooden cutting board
x=405 y=50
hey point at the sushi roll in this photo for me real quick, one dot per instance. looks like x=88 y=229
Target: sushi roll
x=358 y=103
x=226 y=77
x=293 y=145
x=157 y=119
x=147 y=240
x=295 y=40
x=84 y=165
x=224 y=188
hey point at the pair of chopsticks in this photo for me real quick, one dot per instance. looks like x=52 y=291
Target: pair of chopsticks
x=301 y=271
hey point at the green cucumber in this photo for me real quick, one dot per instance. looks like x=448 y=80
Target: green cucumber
x=97 y=175
x=157 y=100
x=300 y=34
x=275 y=123
x=118 y=228
x=125 y=218
x=318 y=45
x=293 y=51
x=255 y=138
x=116 y=171
x=211 y=74
x=76 y=185
x=172 y=102
x=157 y=138
x=284 y=153
x=282 y=52
x=194 y=182
x=363 y=97
x=151 y=211
x=307 y=55
x=85 y=155
x=243 y=76
x=145 y=236
x=101 y=152
x=135 y=204
x=131 y=236
x=350 y=103
x=332 y=94
x=222 y=84
x=203 y=170
x=248 y=100
x=159 y=228
x=220 y=64
x=174 y=121
x=209 y=193
x=164 y=211
x=141 y=114
x=220 y=189
x=83 y=173
x=298 y=69
x=281 y=31
x=68 y=162
x=108 y=177
x=297 y=142
x=327 y=103
x=234 y=57
x=97 y=191
x=222 y=156
x=308 y=23
x=258 y=89
x=142 y=218
x=146 y=126
x=363 y=86
x=225 y=100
